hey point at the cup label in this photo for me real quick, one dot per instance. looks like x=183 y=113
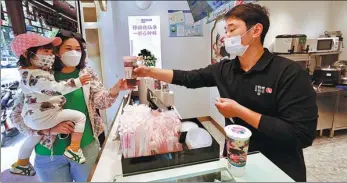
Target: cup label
x=237 y=152
x=129 y=66
x=238 y=130
x=157 y=85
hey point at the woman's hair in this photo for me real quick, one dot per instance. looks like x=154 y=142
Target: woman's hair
x=25 y=61
x=58 y=65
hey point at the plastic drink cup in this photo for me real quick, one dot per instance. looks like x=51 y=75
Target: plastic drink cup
x=237 y=139
x=130 y=63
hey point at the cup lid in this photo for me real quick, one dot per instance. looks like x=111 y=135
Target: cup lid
x=237 y=132
x=129 y=58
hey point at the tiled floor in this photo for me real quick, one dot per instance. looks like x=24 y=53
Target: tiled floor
x=326 y=159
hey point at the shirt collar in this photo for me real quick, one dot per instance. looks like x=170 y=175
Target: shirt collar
x=264 y=61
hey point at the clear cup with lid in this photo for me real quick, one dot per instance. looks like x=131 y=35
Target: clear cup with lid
x=237 y=143
x=130 y=63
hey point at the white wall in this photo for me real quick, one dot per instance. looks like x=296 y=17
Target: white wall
x=294 y=17
x=112 y=67
x=339 y=22
x=297 y=17
x=177 y=53
x=287 y=17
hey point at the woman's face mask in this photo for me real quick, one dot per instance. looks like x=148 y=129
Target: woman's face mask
x=234 y=46
x=71 y=58
x=43 y=61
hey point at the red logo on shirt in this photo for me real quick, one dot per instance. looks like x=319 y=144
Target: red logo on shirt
x=268 y=90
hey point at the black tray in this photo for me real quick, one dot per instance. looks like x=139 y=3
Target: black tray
x=133 y=166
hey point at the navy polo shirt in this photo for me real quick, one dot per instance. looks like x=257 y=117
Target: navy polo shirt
x=275 y=87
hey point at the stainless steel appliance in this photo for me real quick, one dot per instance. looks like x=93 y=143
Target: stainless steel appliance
x=283 y=44
x=327 y=76
x=342 y=65
x=326 y=44
x=326 y=100
x=343 y=80
x=340 y=121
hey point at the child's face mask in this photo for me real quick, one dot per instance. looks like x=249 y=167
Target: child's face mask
x=43 y=61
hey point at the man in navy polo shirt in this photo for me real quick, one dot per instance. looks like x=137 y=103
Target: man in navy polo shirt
x=270 y=95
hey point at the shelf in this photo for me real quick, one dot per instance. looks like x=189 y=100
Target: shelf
x=306 y=56
x=90 y=25
x=88 y=5
x=297 y=57
x=326 y=53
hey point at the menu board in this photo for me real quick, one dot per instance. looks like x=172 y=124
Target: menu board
x=212 y=9
x=181 y=24
x=201 y=9
x=144 y=33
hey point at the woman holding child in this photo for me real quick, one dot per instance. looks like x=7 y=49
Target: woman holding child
x=70 y=63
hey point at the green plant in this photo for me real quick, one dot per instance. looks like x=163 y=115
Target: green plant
x=148 y=57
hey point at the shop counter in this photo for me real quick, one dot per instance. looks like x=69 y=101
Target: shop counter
x=108 y=167
x=258 y=169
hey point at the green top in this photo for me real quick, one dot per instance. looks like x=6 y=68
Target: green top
x=74 y=100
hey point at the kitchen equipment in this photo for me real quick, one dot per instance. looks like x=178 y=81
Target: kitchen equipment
x=343 y=81
x=326 y=101
x=327 y=76
x=298 y=43
x=155 y=102
x=340 y=121
x=335 y=34
x=326 y=44
x=342 y=65
x=283 y=44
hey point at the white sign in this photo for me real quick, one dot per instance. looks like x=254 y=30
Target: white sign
x=224 y=9
x=144 y=33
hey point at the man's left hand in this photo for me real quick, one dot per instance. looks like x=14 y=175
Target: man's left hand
x=228 y=108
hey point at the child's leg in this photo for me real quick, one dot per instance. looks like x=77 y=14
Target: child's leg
x=22 y=166
x=79 y=119
x=26 y=149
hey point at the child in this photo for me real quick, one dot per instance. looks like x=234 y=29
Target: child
x=43 y=97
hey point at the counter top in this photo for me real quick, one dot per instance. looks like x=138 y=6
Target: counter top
x=108 y=166
x=258 y=169
x=324 y=89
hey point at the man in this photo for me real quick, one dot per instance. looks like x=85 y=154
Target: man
x=270 y=95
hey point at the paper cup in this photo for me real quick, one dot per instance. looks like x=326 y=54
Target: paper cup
x=237 y=148
x=130 y=63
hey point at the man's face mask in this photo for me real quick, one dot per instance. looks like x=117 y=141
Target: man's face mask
x=234 y=46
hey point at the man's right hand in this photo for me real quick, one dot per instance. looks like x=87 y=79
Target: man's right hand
x=155 y=73
x=142 y=71
x=65 y=127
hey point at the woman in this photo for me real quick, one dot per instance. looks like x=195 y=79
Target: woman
x=50 y=164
